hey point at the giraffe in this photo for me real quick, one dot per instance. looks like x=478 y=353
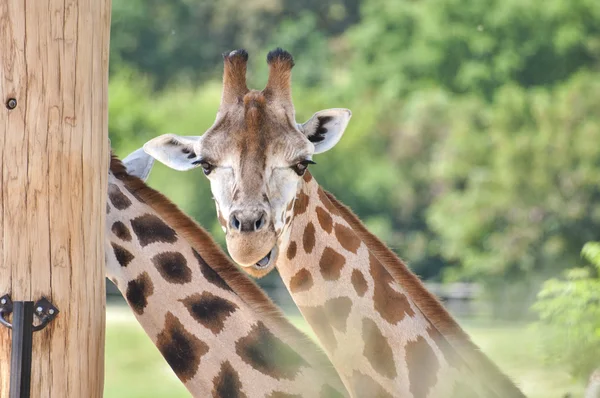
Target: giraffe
x=385 y=334
x=216 y=329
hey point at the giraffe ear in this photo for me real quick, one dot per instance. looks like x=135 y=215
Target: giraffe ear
x=174 y=151
x=325 y=128
x=139 y=164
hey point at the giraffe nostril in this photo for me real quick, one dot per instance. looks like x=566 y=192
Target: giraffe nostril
x=235 y=223
x=243 y=222
x=258 y=224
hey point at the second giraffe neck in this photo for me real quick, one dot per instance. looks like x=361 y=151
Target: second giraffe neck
x=375 y=334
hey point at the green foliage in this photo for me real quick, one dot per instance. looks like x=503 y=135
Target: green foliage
x=136 y=115
x=409 y=136
x=521 y=176
x=473 y=46
x=591 y=251
x=569 y=311
x=301 y=37
x=471 y=150
x=182 y=40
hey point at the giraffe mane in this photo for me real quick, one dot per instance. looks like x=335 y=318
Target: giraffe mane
x=241 y=284
x=424 y=299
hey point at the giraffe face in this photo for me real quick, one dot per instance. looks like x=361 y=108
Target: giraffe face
x=254 y=155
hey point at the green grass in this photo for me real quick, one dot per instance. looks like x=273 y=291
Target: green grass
x=135 y=368
x=516 y=350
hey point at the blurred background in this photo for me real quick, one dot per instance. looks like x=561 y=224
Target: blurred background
x=473 y=152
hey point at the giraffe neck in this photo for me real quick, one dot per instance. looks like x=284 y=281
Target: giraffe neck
x=216 y=329
x=431 y=307
x=377 y=337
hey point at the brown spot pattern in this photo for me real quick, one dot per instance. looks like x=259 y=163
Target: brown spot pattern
x=331 y=264
x=266 y=353
x=302 y=281
x=210 y=274
x=291 y=250
x=173 y=267
x=337 y=310
x=365 y=386
x=326 y=202
x=121 y=231
x=308 y=238
x=307 y=177
x=325 y=220
x=347 y=238
x=138 y=291
x=390 y=304
x=318 y=321
x=359 y=282
x=227 y=383
x=377 y=349
x=209 y=310
x=123 y=255
x=118 y=198
x=422 y=366
x=181 y=349
x=301 y=203
x=150 y=229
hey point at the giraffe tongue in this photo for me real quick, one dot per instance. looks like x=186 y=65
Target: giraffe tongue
x=265 y=260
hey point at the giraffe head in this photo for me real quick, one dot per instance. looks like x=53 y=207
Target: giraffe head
x=254 y=155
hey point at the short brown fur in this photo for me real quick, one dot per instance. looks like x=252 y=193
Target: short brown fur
x=280 y=76
x=234 y=77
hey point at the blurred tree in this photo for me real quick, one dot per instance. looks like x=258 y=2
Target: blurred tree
x=470 y=151
x=182 y=40
x=473 y=46
x=408 y=137
x=137 y=115
x=306 y=42
x=519 y=183
x=569 y=311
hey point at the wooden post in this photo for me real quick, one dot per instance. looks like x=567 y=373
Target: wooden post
x=53 y=175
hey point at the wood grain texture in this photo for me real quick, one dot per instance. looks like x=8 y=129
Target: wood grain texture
x=53 y=176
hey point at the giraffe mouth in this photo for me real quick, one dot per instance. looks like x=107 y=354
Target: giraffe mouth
x=267 y=260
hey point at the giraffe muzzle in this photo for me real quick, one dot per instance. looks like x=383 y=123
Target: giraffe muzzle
x=252 y=249
x=267 y=260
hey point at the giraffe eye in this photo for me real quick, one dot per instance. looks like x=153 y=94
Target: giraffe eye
x=206 y=167
x=300 y=168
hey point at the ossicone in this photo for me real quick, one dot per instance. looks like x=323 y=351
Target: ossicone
x=234 y=77
x=279 y=85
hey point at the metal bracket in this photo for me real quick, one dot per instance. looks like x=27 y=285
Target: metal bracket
x=44 y=310
x=6 y=308
x=22 y=338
